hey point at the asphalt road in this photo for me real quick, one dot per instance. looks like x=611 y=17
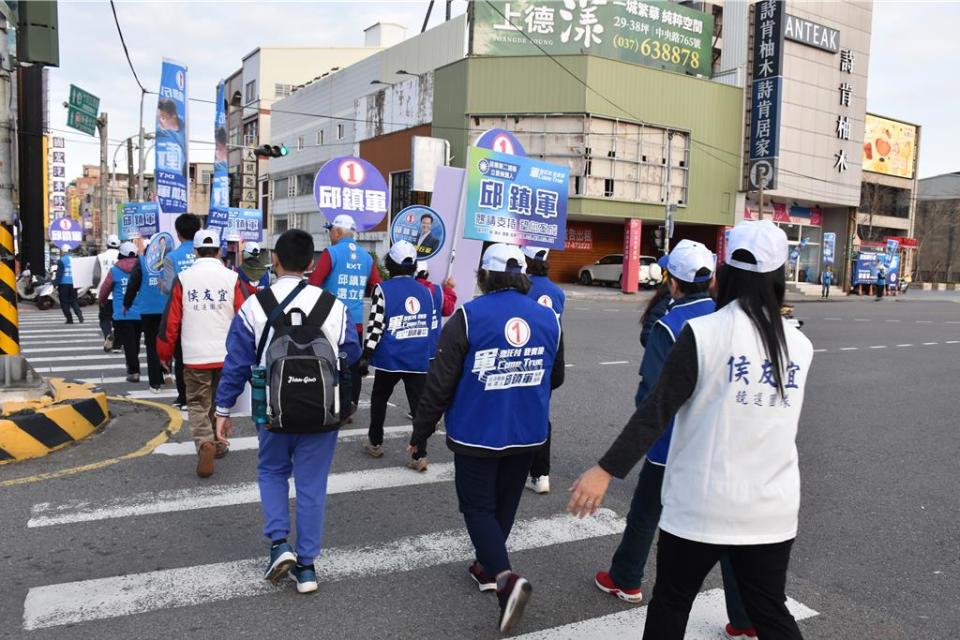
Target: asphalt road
x=144 y=549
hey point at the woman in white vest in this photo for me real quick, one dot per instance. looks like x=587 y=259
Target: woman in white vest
x=735 y=382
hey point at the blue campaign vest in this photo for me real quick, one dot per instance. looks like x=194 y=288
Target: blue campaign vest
x=67 y=276
x=436 y=323
x=503 y=397
x=120 y=280
x=183 y=256
x=149 y=299
x=408 y=314
x=674 y=321
x=349 y=272
x=544 y=291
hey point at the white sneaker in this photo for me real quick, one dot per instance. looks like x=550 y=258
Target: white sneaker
x=540 y=484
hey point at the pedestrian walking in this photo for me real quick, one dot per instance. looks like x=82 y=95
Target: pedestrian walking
x=205 y=298
x=143 y=288
x=105 y=260
x=253 y=274
x=826 y=279
x=126 y=320
x=444 y=303
x=298 y=436
x=657 y=305
x=65 y=289
x=499 y=357
x=398 y=343
x=734 y=383
x=346 y=270
x=881 y=281
x=186 y=226
x=548 y=294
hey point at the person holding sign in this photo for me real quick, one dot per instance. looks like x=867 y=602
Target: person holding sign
x=498 y=359
x=65 y=288
x=126 y=320
x=398 y=343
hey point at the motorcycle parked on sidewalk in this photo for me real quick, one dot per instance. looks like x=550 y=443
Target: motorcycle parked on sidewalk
x=38 y=290
x=786 y=311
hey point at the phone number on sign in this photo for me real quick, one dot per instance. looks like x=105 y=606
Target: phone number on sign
x=656 y=50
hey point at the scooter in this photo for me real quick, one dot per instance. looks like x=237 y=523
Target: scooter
x=786 y=311
x=47 y=297
x=86 y=296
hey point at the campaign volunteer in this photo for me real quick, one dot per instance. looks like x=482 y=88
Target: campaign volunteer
x=734 y=383
x=253 y=274
x=305 y=456
x=186 y=226
x=126 y=320
x=205 y=298
x=398 y=343
x=106 y=259
x=498 y=359
x=444 y=302
x=65 y=289
x=346 y=270
x=144 y=288
x=548 y=294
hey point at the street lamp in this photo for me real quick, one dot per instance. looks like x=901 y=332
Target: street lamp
x=389 y=84
x=404 y=72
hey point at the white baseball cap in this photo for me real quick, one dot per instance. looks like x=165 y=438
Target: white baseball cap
x=536 y=253
x=65 y=248
x=343 y=221
x=497 y=257
x=423 y=266
x=765 y=241
x=206 y=238
x=251 y=248
x=113 y=241
x=687 y=258
x=403 y=251
x=128 y=249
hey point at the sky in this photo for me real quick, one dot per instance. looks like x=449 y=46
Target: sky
x=913 y=50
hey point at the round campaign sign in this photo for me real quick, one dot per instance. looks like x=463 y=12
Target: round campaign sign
x=517 y=332
x=354 y=187
x=65 y=231
x=412 y=305
x=422 y=227
x=545 y=301
x=160 y=245
x=501 y=141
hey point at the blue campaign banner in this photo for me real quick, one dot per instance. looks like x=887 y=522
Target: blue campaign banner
x=501 y=141
x=160 y=245
x=139 y=220
x=244 y=224
x=65 y=232
x=218 y=218
x=171 y=143
x=220 y=187
x=516 y=200
x=829 y=247
x=422 y=227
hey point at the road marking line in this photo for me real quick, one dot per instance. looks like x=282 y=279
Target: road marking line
x=705 y=622
x=951 y=342
x=611 y=309
x=224 y=495
x=833 y=318
x=568 y=366
x=146 y=394
x=892 y=320
x=848 y=348
x=53 y=334
x=879 y=346
x=819 y=350
x=87 y=367
x=927 y=344
x=82 y=601
x=27 y=344
x=62 y=349
x=952 y=322
x=924 y=321
x=71 y=358
x=904 y=345
x=617 y=362
x=862 y=320
x=248 y=443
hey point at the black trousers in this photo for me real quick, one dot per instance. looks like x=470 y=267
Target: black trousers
x=106 y=318
x=383 y=384
x=761 y=575
x=151 y=327
x=68 y=301
x=178 y=374
x=541 y=457
x=128 y=333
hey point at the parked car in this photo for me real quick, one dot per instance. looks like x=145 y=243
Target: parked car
x=609 y=270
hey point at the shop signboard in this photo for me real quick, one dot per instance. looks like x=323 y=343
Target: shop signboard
x=664 y=35
x=515 y=199
x=889 y=146
x=579 y=238
x=765 y=93
x=352 y=186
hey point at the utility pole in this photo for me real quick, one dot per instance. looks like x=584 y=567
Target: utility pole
x=131 y=190
x=140 y=151
x=9 y=323
x=104 y=171
x=668 y=213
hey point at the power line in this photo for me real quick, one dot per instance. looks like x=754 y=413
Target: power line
x=123 y=42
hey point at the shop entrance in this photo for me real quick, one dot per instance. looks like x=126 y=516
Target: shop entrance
x=803 y=264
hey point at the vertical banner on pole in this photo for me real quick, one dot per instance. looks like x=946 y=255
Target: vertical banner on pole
x=171 y=142
x=220 y=188
x=630 y=280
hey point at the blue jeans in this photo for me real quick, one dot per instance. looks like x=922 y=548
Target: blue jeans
x=308 y=458
x=630 y=558
x=489 y=491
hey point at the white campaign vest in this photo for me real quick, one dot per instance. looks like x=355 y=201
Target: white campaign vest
x=105 y=260
x=208 y=291
x=732 y=475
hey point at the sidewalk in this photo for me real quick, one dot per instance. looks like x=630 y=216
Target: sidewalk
x=600 y=293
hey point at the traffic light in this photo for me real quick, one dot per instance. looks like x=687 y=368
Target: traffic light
x=271 y=151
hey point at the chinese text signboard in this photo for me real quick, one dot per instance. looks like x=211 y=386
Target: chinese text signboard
x=765 y=94
x=171 y=143
x=889 y=146
x=243 y=224
x=579 y=238
x=515 y=200
x=664 y=35
x=139 y=220
x=354 y=187
x=65 y=232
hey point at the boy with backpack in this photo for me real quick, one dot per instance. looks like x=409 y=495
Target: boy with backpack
x=292 y=342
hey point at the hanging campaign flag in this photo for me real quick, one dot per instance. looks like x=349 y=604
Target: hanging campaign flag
x=829 y=247
x=515 y=199
x=354 y=187
x=171 y=143
x=65 y=231
x=220 y=187
x=139 y=220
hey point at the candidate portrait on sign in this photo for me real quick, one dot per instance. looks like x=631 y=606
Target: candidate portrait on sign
x=428 y=240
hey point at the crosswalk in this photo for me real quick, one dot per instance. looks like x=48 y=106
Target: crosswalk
x=180 y=588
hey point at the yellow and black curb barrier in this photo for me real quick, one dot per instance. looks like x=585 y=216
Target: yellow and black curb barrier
x=34 y=429
x=9 y=320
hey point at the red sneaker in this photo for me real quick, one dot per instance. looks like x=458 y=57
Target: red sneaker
x=734 y=633
x=484 y=582
x=605 y=583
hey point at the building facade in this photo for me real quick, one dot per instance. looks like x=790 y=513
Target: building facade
x=937 y=228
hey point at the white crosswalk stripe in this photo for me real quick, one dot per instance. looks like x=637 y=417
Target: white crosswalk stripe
x=249 y=443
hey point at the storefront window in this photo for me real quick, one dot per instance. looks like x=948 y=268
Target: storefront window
x=792 y=231
x=804 y=262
